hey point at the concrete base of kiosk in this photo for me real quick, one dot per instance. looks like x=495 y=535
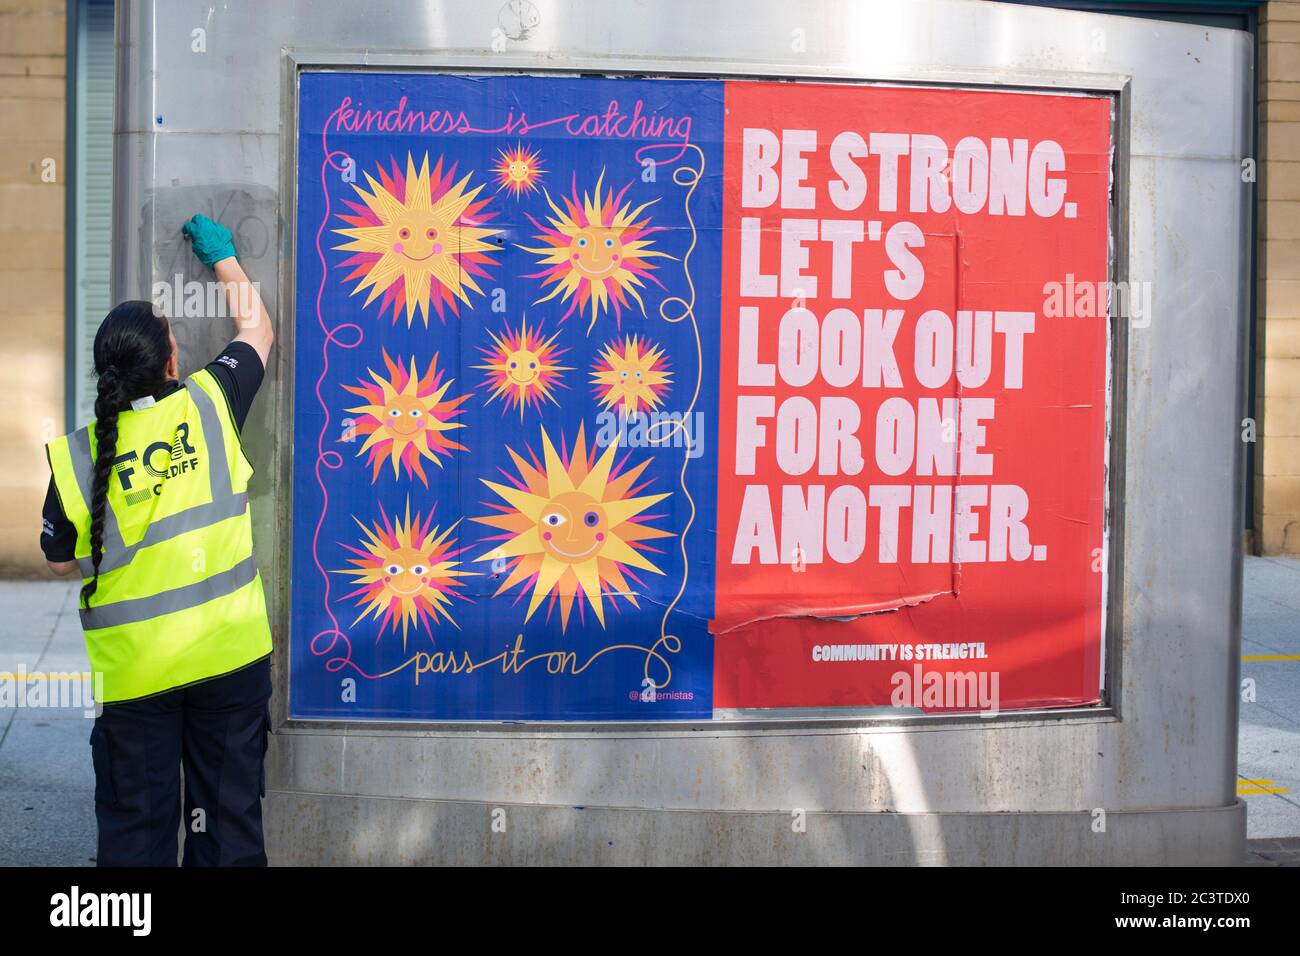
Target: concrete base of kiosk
x=312 y=829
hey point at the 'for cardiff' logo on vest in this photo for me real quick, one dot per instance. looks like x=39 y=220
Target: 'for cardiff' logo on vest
x=160 y=460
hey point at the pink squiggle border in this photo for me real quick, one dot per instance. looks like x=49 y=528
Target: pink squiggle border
x=328 y=459
x=325 y=641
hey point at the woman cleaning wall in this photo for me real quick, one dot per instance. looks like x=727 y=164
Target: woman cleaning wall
x=150 y=502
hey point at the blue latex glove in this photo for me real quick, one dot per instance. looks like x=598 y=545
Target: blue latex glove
x=212 y=241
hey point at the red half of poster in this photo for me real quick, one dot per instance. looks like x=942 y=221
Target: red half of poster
x=913 y=396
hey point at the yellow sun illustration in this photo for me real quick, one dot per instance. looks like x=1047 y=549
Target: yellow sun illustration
x=573 y=525
x=596 y=252
x=518 y=170
x=406 y=417
x=418 y=240
x=405 y=571
x=522 y=368
x=633 y=373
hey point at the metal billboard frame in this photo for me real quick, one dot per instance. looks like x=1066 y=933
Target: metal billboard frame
x=295 y=61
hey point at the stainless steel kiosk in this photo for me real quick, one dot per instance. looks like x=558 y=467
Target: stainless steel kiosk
x=205 y=114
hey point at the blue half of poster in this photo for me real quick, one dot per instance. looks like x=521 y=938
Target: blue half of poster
x=504 y=478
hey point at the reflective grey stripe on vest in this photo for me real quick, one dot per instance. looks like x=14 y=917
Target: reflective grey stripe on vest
x=171 y=526
x=177 y=599
x=224 y=504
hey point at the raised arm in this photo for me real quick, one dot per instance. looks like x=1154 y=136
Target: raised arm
x=215 y=247
x=252 y=324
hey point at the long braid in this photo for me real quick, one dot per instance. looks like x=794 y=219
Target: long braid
x=132 y=350
x=108 y=401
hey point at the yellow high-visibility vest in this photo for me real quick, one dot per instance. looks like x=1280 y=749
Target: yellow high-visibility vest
x=179 y=598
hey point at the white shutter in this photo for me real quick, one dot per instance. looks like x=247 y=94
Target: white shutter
x=94 y=197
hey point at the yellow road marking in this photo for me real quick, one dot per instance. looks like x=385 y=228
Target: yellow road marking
x=1256 y=658
x=1259 y=786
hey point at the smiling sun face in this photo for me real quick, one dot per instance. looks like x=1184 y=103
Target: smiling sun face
x=631 y=373
x=405 y=572
x=418 y=240
x=595 y=253
x=406 y=418
x=573 y=526
x=523 y=368
x=518 y=170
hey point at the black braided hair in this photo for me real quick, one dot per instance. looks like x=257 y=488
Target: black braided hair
x=132 y=349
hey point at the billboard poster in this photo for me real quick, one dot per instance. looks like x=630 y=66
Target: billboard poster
x=670 y=399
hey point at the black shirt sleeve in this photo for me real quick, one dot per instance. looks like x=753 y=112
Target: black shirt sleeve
x=239 y=371
x=58 y=534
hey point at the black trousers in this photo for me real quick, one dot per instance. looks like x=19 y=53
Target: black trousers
x=217 y=730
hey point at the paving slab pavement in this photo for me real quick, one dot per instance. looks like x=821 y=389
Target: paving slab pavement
x=1268 y=755
x=47 y=784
